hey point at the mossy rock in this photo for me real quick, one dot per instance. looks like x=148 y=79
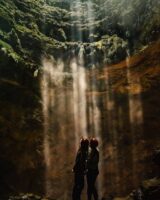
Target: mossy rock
x=28 y=196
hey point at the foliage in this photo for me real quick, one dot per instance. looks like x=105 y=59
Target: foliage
x=34 y=27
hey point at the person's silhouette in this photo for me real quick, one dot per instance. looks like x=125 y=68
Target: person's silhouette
x=79 y=169
x=92 y=169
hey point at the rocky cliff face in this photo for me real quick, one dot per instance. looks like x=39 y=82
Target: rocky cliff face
x=56 y=26
x=123 y=39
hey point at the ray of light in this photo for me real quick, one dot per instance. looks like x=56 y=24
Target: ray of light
x=48 y=101
x=135 y=114
x=94 y=110
x=79 y=98
x=112 y=130
x=54 y=107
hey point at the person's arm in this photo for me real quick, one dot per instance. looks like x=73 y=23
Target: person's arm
x=76 y=161
x=97 y=157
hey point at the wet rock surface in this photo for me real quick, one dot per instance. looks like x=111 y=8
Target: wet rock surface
x=27 y=197
x=30 y=29
x=150 y=188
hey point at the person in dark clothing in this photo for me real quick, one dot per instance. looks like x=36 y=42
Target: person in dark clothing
x=79 y=169
x=92 y=169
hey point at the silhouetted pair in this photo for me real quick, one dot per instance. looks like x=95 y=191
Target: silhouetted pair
x=86 y=163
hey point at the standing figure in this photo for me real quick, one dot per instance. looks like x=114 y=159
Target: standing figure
x=92 y=169
x=79 y=169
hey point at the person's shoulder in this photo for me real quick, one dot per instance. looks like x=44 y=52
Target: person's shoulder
x=79 y=152
x=97 y=151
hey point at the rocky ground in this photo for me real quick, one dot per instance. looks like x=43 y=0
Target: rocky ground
x=27 y=197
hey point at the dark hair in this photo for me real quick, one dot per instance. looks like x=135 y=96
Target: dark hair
x=84 y=143
x=93 y=142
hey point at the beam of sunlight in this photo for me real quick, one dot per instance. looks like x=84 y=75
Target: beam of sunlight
x=91 y=19
x=48 y=101
x=112 y=129
x=79 y=97
x=97 y=132
x=94 y=111
x=54 y=99
x=76 y=12
x=135 y=114
x=94 y=117
x=135 y=102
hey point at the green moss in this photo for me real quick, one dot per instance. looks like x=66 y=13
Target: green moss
x=8 y=50
x=29 y=28
x=38 y=27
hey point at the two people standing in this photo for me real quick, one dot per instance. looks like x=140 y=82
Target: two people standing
x=86 y=163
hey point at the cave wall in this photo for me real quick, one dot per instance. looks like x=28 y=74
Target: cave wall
x=30 y=29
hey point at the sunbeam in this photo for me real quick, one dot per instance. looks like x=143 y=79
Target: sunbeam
x=135 y=114
x=79 y=99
